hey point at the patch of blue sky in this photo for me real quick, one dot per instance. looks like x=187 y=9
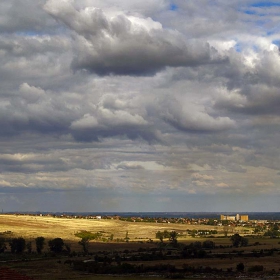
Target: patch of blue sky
x=30 y=33
x=250 y=12
x=276 y=42
x=261 y=23
x=238 y=47
x=38 y=33
x=273 y=31
x=254 y=13
x=270 y=32
x=266 y=4
x=173 y=7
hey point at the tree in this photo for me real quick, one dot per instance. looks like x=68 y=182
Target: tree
x=160 y=235
x=56 y=245
x=225 y=230
x=17 y=245
x=193 y=233
x=238 y=240
x=173 y=237
x=84 y=242
x=211 y=222
x=40 y=243
x=166 y=234
x=3 y=246
x=29 y=247
x=126 y=237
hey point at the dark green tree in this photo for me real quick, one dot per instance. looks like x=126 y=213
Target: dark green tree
x=238 y=240
x=84 y=242
x=40 y=243
x=166 y=234
x=56 y=245
x=17 y=245
x=173 y=237
x=3 y=246
x=160 y=235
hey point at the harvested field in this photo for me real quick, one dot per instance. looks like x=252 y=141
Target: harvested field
x=49 y=227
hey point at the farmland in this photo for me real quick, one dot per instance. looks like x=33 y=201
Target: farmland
x=142 y=238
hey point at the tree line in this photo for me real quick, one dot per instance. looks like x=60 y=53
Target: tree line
x=18 y=245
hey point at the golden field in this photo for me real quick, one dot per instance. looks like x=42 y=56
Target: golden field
x=49 y=227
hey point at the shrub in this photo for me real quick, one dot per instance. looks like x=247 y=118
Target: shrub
x=56 y=245
x=17 y=245
x=40 y=242
x=88 y=235
x=3 y=246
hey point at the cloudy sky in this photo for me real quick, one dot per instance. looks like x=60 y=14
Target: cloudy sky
x=155 y=105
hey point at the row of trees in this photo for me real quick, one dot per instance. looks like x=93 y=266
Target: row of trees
x=235 y=239
x=19 y=245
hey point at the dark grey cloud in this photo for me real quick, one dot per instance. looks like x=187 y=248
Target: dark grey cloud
x=126 y=45
x=186 y=117
x=129 y=131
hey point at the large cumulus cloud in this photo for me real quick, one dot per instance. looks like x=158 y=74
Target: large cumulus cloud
x=126 y=45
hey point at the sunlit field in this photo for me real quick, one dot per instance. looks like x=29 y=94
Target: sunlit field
x=141 y=235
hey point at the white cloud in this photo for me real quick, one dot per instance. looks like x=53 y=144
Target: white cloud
x=30 y=93
x=222 y=185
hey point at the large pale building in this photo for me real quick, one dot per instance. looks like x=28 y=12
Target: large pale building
x=243 y=218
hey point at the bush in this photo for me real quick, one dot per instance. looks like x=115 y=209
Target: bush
x=88 y=235
x=40 y=242
x=56 y=245
x=17 y=245
x=3 y=246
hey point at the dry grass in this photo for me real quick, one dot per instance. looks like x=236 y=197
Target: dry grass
x=49 y=227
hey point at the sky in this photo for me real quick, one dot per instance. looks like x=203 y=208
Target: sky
x=156 y=105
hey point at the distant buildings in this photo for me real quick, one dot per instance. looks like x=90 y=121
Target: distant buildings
x=237 y=217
